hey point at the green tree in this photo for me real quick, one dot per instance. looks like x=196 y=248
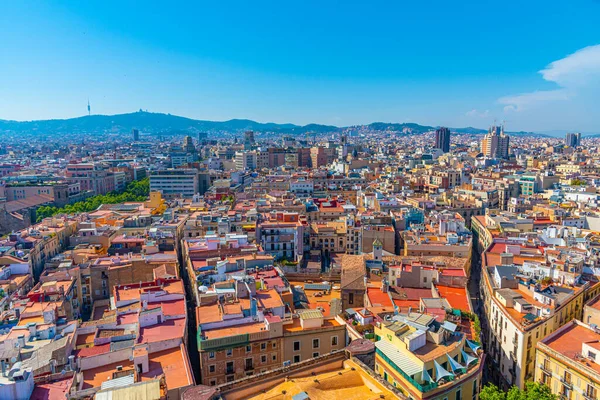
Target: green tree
x=532 y=391
x=135 y=191
x=491 y=392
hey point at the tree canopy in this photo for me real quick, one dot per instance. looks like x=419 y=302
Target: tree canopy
x=135 y=191
x=532 y=391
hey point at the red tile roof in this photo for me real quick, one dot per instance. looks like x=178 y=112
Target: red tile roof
x=457 y=297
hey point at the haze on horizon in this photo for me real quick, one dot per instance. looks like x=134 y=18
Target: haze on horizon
x=535 y=65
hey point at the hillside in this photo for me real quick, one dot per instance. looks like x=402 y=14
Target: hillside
x=167 y=123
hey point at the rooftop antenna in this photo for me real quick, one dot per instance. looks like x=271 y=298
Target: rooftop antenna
x=89 y=109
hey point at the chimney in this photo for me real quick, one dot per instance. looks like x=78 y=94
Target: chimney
x=53 y=366
x=3 y=367
x=32 y=329
x=72 y=362
x=21 y=340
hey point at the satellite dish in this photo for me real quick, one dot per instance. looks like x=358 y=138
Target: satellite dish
x=13 y=360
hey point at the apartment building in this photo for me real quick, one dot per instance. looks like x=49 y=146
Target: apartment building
x=175 y=183
x=427 y=359
x=311 y=335
x=520 y=309
x=568 y=361
x=91 y=176
x=140 y=334
x=245 y=160
x=281 y=235
x=329 y=236
x=240 y=331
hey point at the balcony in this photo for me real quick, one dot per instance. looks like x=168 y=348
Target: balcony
x=421 y=388
x=546 y=369
x=566 y=382
x=589 y=396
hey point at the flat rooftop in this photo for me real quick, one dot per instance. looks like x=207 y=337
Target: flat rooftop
x=568 y=341
x=342 y=384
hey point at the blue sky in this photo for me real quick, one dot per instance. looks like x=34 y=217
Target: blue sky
x=534 y=64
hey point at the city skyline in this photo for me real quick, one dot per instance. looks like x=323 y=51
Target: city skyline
x=326 y=65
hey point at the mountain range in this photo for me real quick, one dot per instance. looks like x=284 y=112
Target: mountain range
x=167 y=123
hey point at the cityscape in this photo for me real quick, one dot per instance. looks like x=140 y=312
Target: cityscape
x=195 y=251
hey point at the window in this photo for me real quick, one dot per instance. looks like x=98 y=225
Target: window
x=263 y=346
x=211 y=355
x=350 y=298
x=296 y=346
x=212 y=368
x=248 y=348
x=315 y=354
x=334 y=340
x=229 y=369
x=591 y=392
x=229 y=352
x=316 y=343
x=274 y=357
x=592 y=355
x=213 y=382
x=297 y=358
x=230 y=378
x=263 y=359
x=274 y=345
x=458 y=395
x=475 y=389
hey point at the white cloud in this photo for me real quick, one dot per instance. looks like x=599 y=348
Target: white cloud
x=574 y=73
x=521 y=101
x=478 y=114
x=575 y=69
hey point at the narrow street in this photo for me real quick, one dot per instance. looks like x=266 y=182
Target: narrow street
x=474 y=293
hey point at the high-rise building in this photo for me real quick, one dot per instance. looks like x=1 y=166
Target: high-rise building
x=202 y=136
x=136 y=135
x=248 y=140
x=573 y=139
x=495 y=143
x=442 y=139
x=188 y=144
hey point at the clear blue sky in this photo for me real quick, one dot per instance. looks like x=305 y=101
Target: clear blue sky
x=453 y=63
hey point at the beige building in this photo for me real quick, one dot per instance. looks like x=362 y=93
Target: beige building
x=591 y=312
x=311 y=335
x=425 y=360
x=568 y=361
x=328 y=236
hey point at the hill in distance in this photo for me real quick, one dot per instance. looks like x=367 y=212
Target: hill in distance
x=165 y=123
